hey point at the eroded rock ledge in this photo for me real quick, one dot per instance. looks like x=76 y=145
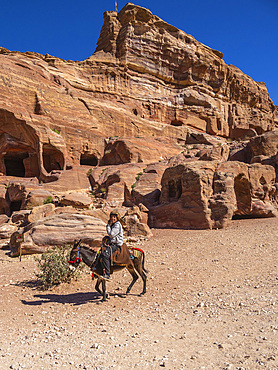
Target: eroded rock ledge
x=146 y=78
x=154 y=123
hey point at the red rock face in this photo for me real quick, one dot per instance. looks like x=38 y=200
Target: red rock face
x=203 y=195
x=143 y=121
x=146 y=78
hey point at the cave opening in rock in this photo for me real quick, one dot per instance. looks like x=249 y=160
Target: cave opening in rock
x=14 y=164
x=15 y=206
x=175 y=189
x=53 y=159
x=219 y=126
x=17 y=158
x=243 y=197
x=88 y=160
x=176 y=122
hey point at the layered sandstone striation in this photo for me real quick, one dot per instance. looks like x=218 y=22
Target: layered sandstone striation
x=146 y=78
x=149 y=124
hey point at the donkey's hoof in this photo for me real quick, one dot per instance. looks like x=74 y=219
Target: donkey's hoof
x=141 y=294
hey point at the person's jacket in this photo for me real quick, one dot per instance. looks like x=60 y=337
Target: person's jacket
x=115 y=232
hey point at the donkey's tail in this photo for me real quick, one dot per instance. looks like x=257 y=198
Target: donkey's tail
x=143 y=263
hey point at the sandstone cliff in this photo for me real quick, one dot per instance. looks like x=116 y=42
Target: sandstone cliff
x=141 y=125
x=146 y=78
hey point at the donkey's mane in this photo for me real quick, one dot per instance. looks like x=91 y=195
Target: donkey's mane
x=87 y=248
x=88 y=251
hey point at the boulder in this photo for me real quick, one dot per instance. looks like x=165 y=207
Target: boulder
x=147 y=187
x=136 y=223
x=58 y=229
x=20 y=217
x=76 y=200
x=38 y=197
x=40 y=212
x=25 y=193
x=185 y=193
x=219 y=152
x=136 y=228
x=6 y=230
x=3 y=219
x=209 y=194
x=265 y=144
x=135 y=211
x=114 y=183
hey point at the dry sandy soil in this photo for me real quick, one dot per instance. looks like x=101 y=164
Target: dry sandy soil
x=211 y=303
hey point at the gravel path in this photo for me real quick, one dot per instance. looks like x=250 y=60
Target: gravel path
x=211 y=303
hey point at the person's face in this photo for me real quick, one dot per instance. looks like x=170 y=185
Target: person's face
x=113 y=219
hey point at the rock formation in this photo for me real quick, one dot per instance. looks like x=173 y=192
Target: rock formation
x=145 y=79
x=209 y=194
x=148 y=124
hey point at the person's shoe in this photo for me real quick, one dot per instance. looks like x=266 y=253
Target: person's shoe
x=106 y=277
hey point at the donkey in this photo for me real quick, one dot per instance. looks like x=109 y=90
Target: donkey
x=81 y=253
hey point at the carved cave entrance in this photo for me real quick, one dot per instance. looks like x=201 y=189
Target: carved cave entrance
x=243 y=197
x=20 y=162
x=88 y=160
x=14 y=164
x=53 y=159
x=174 y=190
x=17 y=158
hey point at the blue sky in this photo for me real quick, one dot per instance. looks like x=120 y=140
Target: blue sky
x=245 y=31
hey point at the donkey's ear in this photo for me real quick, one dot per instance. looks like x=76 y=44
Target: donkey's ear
x=76 y=243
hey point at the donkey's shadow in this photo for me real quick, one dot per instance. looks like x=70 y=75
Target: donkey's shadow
x=74 y=299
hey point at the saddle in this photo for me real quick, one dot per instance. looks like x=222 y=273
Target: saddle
x=121 y=257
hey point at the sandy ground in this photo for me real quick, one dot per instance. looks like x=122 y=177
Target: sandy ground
x=211 y=303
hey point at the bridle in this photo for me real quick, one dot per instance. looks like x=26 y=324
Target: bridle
x=77 y=258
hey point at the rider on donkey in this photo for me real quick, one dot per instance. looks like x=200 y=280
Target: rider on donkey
x=115 y=232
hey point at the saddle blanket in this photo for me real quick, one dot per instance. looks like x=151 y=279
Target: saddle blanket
x=122 y=257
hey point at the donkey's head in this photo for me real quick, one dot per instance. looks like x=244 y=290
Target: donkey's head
x=75 y=259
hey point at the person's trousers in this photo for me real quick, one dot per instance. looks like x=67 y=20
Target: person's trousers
x=106 y=255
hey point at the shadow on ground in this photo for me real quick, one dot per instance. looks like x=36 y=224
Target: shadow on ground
x=74 y=299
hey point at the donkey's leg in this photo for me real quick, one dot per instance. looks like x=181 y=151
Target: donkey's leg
x=97 y=287
x=104 y=295
x=139 y=268
x=134 y=276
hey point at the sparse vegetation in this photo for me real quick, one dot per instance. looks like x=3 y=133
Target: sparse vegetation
x=104 y=169
x=53 y=266
x=48 y=200
x=133 y=186
x=138 y=176
x=55 y=130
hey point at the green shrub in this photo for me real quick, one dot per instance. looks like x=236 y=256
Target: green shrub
x=104 y=169
x=138 y=176
x=55 y=130
x=48 y=200
x=53 y=266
